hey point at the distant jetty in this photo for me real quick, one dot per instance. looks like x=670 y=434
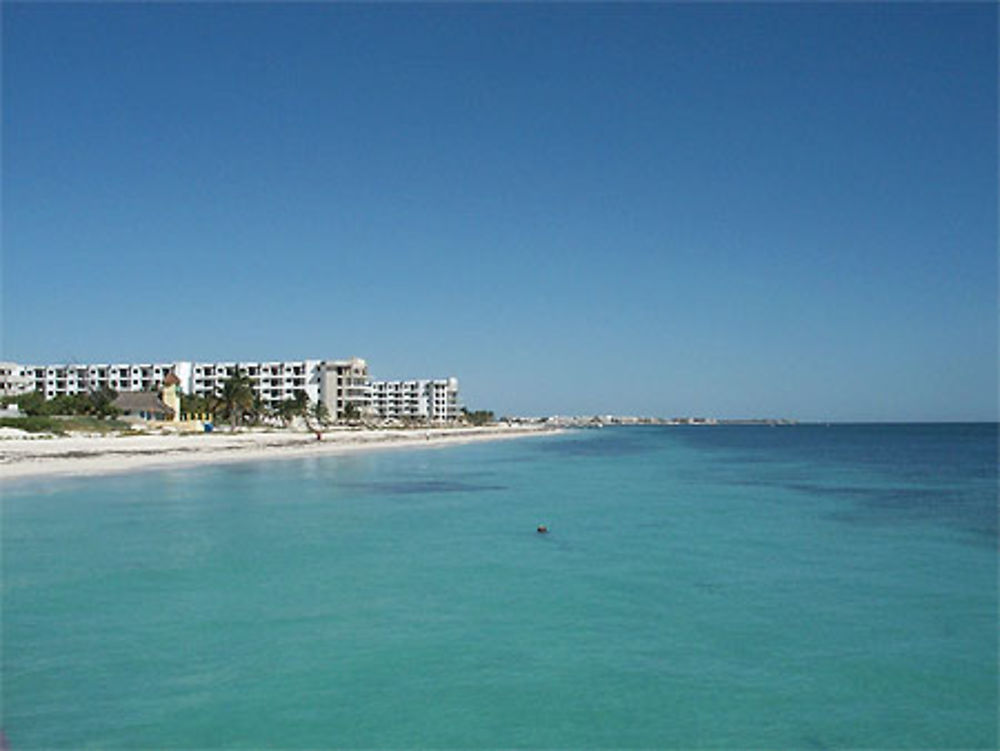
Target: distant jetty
x=600 y=421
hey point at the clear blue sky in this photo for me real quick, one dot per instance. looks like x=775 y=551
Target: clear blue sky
x=730 y=210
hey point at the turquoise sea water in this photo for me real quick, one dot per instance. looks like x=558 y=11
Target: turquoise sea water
x=732 y=587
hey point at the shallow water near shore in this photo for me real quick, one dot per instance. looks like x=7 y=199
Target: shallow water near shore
x=718 y=587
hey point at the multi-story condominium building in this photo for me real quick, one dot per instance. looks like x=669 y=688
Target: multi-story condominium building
x=14 y=379
x=272 y=382
x=343 y=385
x=430 y=400
x=53 y=380
x=339 y=384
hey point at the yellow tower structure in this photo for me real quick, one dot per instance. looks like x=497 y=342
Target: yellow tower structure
x=172 y=395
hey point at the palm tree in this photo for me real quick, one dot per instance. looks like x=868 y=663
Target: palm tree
x=237 y=396
x=318 y=412
x=286 y=411
x=351 y=412
x=297 y=406
x=101 y=402
x=300 y=404
x=260 y=409
x=321 y=412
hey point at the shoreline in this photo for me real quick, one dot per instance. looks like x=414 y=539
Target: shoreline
x=25 y=459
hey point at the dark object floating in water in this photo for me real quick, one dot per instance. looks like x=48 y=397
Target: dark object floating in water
x=542 y=529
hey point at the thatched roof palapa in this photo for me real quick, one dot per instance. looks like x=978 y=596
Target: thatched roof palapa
x=132 y=402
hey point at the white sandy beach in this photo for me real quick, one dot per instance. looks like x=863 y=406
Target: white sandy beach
x=25 y=457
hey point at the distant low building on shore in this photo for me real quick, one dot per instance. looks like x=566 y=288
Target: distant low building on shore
x=344 y=386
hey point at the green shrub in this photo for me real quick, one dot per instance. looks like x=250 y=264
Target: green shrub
x=33 y=424
x=478 y=417
x=87 y=424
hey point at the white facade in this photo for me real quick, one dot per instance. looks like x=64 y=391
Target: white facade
x=15 y=379
x=272 y=382
x=345 y=384
x=424 y=400
x=53 y=380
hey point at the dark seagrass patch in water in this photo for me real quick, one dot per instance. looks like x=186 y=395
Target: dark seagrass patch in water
x=608 y=443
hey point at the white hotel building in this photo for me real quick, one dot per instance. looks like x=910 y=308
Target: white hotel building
x=435 y=401
x=338 y=383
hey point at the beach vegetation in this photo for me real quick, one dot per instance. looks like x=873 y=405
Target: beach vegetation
x=102 y=402
x=289 y=409
x=91 y=424
x=32 y=403
x=236 y=398
x=321 y=413
x=261 y=411
x=300 y=403
x=60 y=425
x=286 y=411
x=477 y=417
x=99 y=403
x=194 y=404
x=33 y=424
